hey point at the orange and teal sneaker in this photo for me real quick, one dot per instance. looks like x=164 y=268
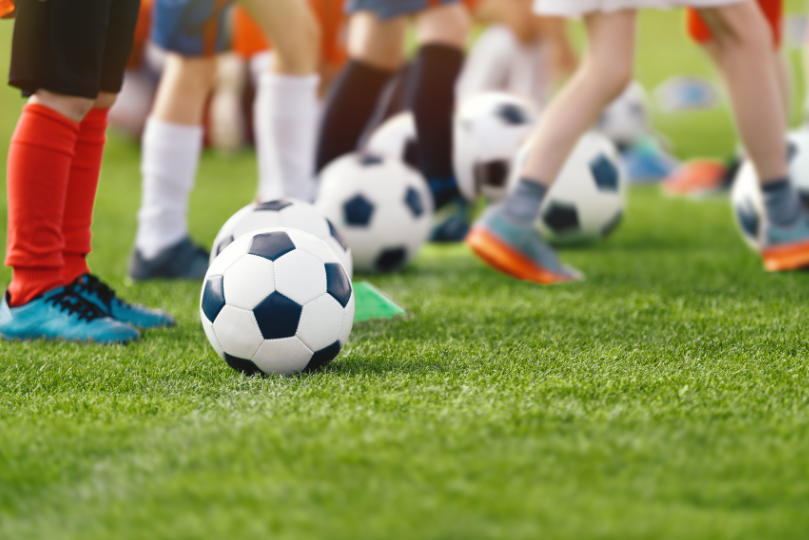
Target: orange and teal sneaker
x=519 y=252
x=697 y=178
x=785 y=248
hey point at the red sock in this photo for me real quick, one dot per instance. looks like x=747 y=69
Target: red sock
x=39 y=159
x=81 y=193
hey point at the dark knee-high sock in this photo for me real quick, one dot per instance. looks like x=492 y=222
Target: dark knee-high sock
x=350 y=105
x=435 y=70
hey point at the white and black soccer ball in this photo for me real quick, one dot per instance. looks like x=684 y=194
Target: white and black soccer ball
x=627 y=118
x=396 y=137
x=586 y=202
x=382 y=208
x=283 y=213
x=746 y=198
x=277 y=301
x=488 y=131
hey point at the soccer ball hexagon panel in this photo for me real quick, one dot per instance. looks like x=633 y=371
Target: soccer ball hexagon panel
x=382 y=207
x=279 y=302
x=283 y=213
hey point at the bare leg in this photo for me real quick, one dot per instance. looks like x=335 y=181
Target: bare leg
x=744 y=46
x=183 y=90
x=605 y=71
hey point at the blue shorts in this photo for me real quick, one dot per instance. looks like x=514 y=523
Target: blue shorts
x=191 y=27
x=390 y=9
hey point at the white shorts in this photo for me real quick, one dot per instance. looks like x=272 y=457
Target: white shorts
x=577 y=8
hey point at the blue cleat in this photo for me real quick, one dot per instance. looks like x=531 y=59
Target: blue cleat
x=103 y=297
x=183 y=260
x=520 y=252
x=785 y=248
x=60 y=314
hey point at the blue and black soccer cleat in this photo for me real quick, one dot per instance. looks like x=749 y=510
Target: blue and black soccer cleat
x=520 y=252
x=183 y=260
x=103 y=297
x=451 y=223
x=61 y=314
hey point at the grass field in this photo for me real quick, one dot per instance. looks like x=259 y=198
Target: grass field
x=664 y=397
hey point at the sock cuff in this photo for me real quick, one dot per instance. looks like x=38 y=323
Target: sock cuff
x=527 y=186
x=95 y=118
x=168 y=134
x=445 y=50
x=369 y=70
x=775 y=185
x=46 y=112
x=289 y=82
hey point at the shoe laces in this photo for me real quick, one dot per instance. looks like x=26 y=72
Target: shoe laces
x=68 y=300
x=92 y=284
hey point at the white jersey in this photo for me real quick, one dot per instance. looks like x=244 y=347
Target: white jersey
x=577 y=8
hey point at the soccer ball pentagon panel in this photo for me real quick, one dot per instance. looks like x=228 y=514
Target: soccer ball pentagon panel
x=586 y=202
x=489 y=130
x=277 y=301
x=283 y=213
x=746 y=198
x=381 y=207
x=396 y=137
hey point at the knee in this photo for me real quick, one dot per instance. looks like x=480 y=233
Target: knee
x=446 y=25
x=298 y=52
x=611 y=78
x=74 y=108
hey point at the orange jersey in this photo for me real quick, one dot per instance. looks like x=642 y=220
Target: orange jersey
x=773 y=11
x=7 y=8
x=248 y=39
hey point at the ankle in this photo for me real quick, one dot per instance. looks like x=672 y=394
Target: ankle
x=29 y=283
x=75 y=266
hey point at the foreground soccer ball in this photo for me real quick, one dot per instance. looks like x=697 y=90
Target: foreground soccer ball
x=586 y=202
x=397 y=138
x=626 y=118
x=746 y=198
x=489 y=130
x=277 y=301
x=381 y=206
x=283 y=213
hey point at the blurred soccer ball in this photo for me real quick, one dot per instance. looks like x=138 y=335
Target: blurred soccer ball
x=746 y=199
x=626 y=118
x=283 y=213
x=396 y=137
x=382 y=208
x=489 y=129
x=277 y=301
x=586 y=202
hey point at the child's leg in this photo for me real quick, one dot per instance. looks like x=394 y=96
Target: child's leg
x=743 y=45
x=286 y=107
x=81 y=191
x=442 y=33
x=376 y=50
x=171 y=147
x=505 y=236
x=605 y=70
x=39 y=160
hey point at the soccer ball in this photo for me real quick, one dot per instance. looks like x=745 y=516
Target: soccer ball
x=277 y=301
x=396 y=137
x=283 y=213
x=627 y=117
x=586 y=202
x=489 y=129
x=746 y=198
x=381 y=206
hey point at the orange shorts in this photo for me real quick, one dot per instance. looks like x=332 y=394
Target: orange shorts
x=248 y=39
x=773 y=11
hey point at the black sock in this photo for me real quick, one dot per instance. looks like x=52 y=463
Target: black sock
x=435 y=70
x=781 y=202
x=349 y=106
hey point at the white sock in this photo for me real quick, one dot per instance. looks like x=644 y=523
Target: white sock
x=286 y=115
x=169 y=160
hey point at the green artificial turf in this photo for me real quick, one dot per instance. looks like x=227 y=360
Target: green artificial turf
x=664 y=397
